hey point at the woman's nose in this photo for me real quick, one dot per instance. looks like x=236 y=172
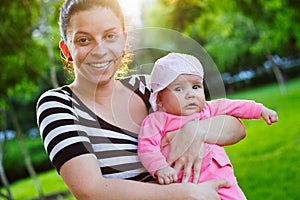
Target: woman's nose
x=99 y=48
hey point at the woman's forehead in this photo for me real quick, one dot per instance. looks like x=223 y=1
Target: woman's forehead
x=95 y=18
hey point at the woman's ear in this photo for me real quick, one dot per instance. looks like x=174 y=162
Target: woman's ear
x=64 y=49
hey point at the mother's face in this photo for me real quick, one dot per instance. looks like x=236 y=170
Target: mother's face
x=96 y=42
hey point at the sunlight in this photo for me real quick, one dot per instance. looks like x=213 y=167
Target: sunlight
x=132 y=11
x=131 y=7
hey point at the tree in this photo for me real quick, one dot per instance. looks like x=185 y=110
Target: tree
x=237 y=34
x=45 y=36
x=277 y=21
x=21 y=64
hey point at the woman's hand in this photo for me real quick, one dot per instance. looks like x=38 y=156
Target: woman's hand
x=83 y=177
x=187 y=150
x=187 y=144
x=206 y=190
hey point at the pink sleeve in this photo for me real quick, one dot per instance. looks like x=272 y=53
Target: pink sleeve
x=244 y=109
x=149 y=143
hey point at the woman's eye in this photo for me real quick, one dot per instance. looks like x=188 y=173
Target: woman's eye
x=82 y=41
x=111 y=37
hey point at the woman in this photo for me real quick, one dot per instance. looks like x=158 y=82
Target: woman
x=89 y=128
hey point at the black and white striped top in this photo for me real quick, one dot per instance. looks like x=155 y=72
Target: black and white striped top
x=68 y=129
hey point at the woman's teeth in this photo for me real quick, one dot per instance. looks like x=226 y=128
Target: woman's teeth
x=100 y=65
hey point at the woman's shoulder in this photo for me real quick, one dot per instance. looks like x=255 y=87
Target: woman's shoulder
x=137 y=80
x=140 y=84
x=60 y=90
x=61 y=94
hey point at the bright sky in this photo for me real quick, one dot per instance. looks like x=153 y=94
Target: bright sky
x=132 y=11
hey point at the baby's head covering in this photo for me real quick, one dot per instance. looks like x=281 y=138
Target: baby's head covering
x=168 y=68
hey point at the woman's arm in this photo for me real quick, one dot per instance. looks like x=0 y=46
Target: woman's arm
x=222 y=130
x=187 y=152
x=83 y=177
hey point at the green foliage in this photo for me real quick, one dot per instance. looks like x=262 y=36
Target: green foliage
x=22 y=62
x=14 y=161
x=237 y=34
x=24 y=66
x=16 y=55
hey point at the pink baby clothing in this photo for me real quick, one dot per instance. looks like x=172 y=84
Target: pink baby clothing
x=156 y=125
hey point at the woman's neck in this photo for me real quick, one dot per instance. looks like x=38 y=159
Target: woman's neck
x=100 y=93
x=113 y=102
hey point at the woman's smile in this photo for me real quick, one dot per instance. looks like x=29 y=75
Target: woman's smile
x=100 y=64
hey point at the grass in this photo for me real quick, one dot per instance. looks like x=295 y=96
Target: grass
x=266 y=162
x=51 y=184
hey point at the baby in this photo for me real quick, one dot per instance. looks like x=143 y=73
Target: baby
x=177 y=98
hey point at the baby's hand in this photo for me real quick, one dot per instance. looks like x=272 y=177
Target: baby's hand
x=270 y=116
x=166 y=175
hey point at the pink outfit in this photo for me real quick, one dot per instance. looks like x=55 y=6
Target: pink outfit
x=215 y=164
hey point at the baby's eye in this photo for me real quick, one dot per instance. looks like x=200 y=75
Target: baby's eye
x=195 y=87
x=178 y=89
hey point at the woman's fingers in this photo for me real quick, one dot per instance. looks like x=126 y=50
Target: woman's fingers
x=186 y=172
x=216 y=184
x=221 y=183
x=198 y=164
x=179 y=165
x=209 y=189
x=197 y=168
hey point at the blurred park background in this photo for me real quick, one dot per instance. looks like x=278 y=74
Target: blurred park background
x=254 y=43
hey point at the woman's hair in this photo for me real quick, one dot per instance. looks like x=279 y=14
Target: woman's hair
x=71 y=7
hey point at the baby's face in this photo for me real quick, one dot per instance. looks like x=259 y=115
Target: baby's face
x=184 y=96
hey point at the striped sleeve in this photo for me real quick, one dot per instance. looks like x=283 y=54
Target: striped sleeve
x=140 y=84
x=59 y=129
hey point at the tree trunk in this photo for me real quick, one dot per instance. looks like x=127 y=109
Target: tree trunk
x=279 y=76
x=24 y=150
x=2 y=148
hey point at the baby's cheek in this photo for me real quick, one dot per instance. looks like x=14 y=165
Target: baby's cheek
x=202 y=103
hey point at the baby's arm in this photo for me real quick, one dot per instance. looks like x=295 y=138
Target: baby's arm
x=149 y=143
x=270 y=116
x=244 y=109
x=166 y=175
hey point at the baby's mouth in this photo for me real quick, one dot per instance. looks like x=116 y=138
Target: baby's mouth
x=192 y=106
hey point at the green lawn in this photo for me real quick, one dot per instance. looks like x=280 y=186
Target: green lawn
x=51 y=184
x=266 y=162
